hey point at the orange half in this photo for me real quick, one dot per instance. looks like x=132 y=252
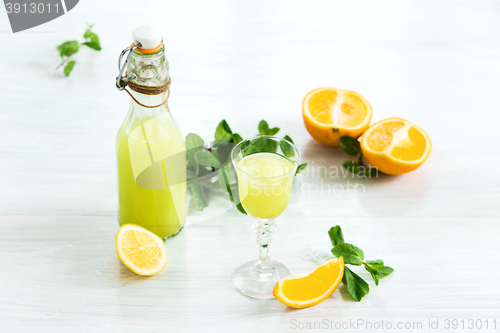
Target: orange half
x=310 y=288
x=331 y=113
x=395 y=146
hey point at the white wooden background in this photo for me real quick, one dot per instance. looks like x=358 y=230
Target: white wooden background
x=435 y=63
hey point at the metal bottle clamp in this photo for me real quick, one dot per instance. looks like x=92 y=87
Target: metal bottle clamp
x=121 y=68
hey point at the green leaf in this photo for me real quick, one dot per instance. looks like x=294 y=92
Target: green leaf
x=350 y=145
x=262 y=145
x=249 y=150
x=379 y=268
x=224 y=177
x=93 y=45
x=241 y=209
x=223 y=132
x=263 y=127
x=237 y=138
x=352 y=255
x=356 y=286
x=205 y=158
x=204 y=195
x=69 y=67
x=87 y=33
x=373 y=273
x=265 y=130
x=194 y=142
x=360 y=160
x=222 y=151
x=197 y=196
x=68 y=48
x=286 y=147
x=273 y=131
x=351 y=166
x=371 y=172
x=94 y=42
x=300 y=168
x=287 y=137
x=336 y=235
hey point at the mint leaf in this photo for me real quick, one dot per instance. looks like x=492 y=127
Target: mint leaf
x=262 y=145
x=286 y=147
x=300 y=168
x=223 y=132
x=373 y=273
x=287 y=137
x=336 y=235
x=265 y=130
x=68 y=48
x=351 y=166
x=383 y=270
x=69 y=67
x=371 y=172
x=263 y=127
x=224 y=177
x=379 y=268
x=205 y=158
x=356 y=286
x=194 y=142
x=93 y=41
x=197 y=196
x=353 y=255
x=237 y=138
x=350 y=145
x=241 y=209
x=93 y=45
x=222 y=150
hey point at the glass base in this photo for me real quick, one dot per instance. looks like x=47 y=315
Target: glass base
x=257 y=279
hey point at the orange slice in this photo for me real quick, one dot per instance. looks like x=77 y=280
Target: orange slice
x=395 y=146
x=331 y=113
x=310 y=288
x=140 y=250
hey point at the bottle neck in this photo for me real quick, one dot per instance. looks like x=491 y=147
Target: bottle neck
x=150 y=70
x=154 y=102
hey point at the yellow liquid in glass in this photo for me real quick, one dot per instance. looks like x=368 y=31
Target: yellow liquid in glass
x=152 y=175
x=265 y=184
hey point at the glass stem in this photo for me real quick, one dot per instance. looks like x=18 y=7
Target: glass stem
x=265 y=231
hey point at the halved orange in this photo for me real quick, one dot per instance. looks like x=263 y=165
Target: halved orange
x=310 y=288
x=395 y=146
x=331 y=113
x=140 y=250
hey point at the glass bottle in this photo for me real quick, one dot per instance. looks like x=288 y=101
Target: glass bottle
x=151 y=151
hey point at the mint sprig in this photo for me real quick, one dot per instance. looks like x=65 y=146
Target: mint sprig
x=265 y=130
x=204 y=159
x=69 y=48
x=352 y=147
x=353 y=255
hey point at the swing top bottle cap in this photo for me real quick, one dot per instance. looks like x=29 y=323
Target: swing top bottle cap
x=149 y=36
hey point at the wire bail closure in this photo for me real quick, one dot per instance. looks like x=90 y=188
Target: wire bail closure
x=121 y=69
x=122 y=83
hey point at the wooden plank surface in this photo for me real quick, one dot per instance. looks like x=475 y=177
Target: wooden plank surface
x=434 y=63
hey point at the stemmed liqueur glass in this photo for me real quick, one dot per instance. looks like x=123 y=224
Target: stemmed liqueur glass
x=265 y=168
